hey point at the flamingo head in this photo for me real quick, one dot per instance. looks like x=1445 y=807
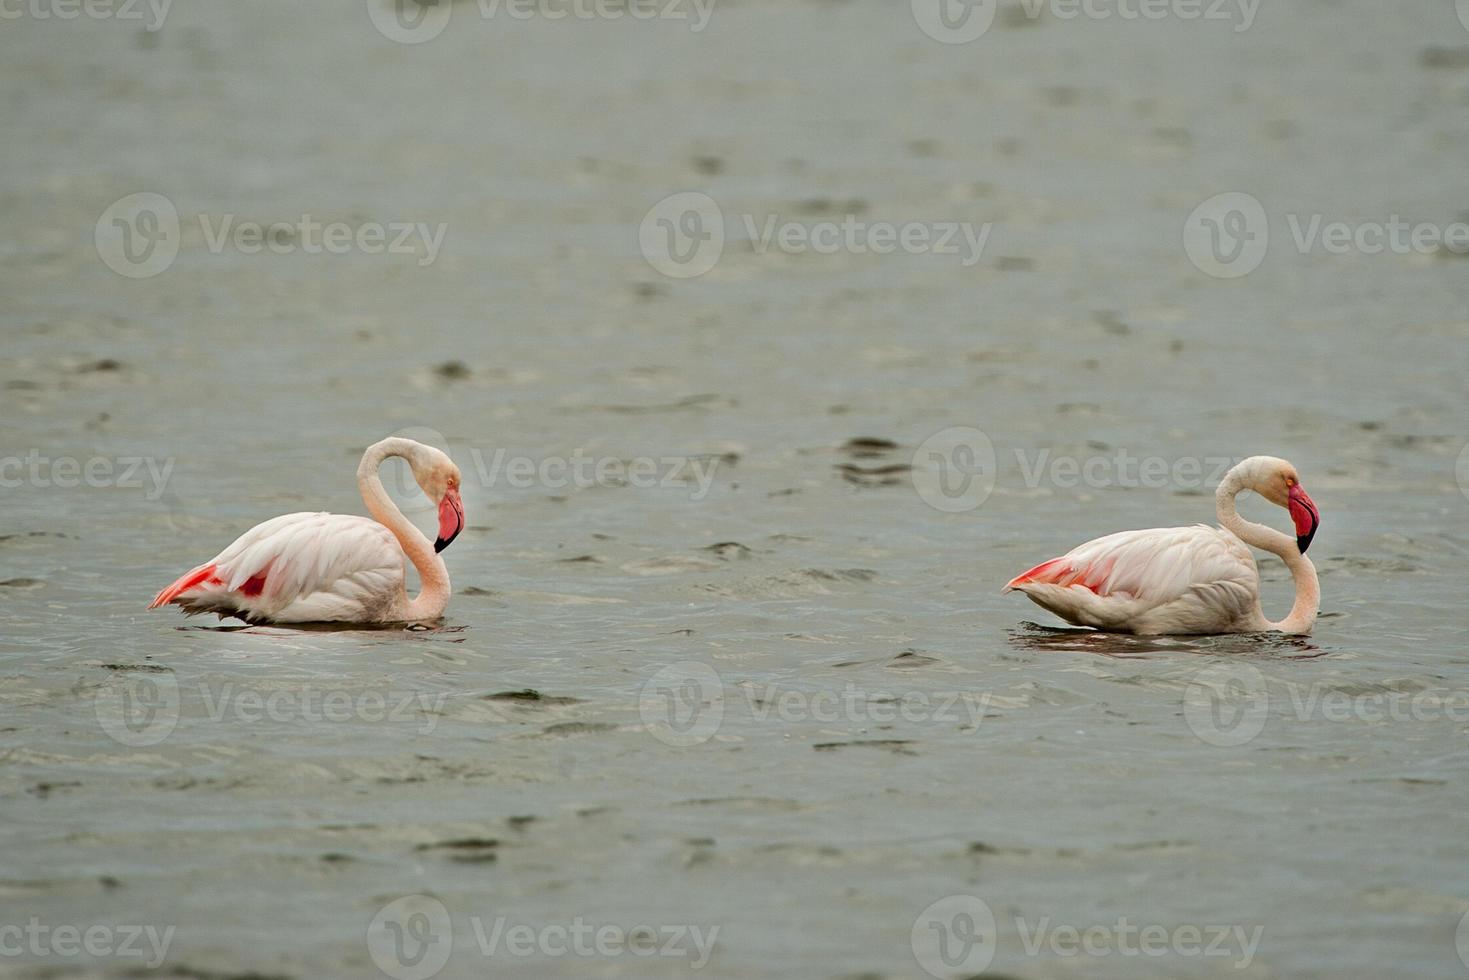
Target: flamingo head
x=1278 y=482
x=439 y=478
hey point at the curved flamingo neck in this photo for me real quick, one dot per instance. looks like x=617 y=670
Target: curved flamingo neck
x=433 y=596
x=1303 y=611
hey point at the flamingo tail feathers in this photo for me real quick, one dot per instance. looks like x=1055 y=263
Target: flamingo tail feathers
x=186 y=582
x=1063 y=572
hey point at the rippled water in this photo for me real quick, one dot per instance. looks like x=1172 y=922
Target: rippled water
x=795 y=707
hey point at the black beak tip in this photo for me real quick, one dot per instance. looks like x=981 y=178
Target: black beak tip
x=441 y=543
x=1303 y=541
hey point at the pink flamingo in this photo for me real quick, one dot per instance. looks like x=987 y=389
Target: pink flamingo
x=319 y=567
x=1188 y=580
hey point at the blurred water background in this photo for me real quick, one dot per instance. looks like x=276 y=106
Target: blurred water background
x=972 y=751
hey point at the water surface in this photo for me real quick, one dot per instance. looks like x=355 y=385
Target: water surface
x=1077 y=793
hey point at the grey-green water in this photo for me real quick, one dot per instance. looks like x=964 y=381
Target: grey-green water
x=890 y=730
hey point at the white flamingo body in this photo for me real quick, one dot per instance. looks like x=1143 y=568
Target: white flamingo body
x=1186 y=580
x=1162 y=580
x=304 y=568
x=320 y=567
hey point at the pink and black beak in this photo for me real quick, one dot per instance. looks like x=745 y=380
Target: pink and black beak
x=451 y=518
x=1303 y=512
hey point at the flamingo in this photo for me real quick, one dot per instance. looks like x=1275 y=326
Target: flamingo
x=319 y=567
x=1188 y=580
